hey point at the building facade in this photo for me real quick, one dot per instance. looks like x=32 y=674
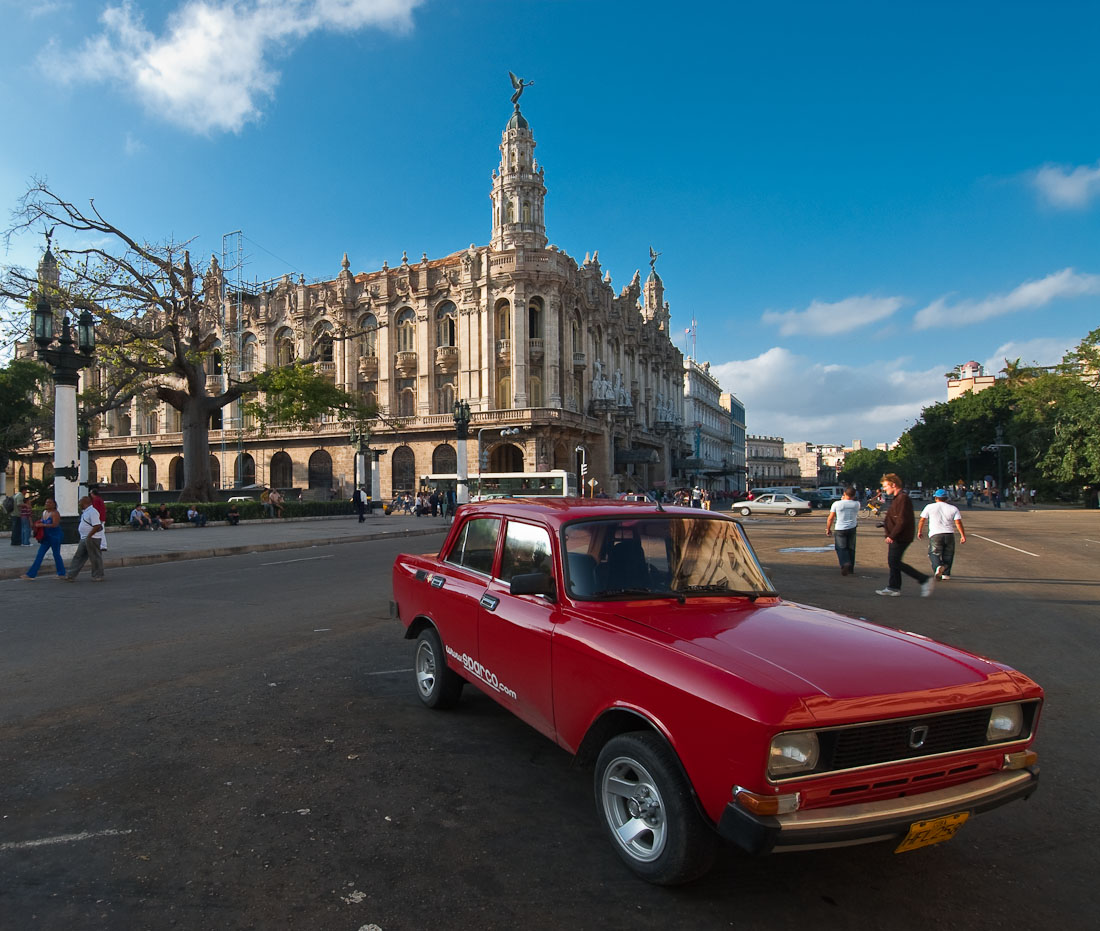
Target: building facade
x=539 y=345
x=737 y=439
x=710 y=462
x=767 y=464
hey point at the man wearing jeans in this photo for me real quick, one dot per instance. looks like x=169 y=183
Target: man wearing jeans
x=842 y=523
x=900 y=529
x=942 y=518
x=91 y=535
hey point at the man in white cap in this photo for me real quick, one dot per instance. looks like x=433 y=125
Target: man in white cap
x=942 y=518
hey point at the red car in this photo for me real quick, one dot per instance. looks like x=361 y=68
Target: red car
x=649 y=640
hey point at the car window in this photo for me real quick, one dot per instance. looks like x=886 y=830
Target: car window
x=526 y=550
x=476 y=545
x=781 y=498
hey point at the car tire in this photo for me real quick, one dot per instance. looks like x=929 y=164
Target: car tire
x=437 y=685
x=646 y=804
x=744 y=512
x=791 y=512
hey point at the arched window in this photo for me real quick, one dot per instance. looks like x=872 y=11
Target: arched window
x=504 y=320
x=284 y=346
x=445 y=400
x=444 y=460
x=506 y=458
x=403 y=464
x=322 y=342
x=173 y=420
x=534 y=318
x=509 y=212
x=406 y=403
x=249 y=348
x=119 y=475
x=151 y=422
x=22 y=476
x=534 y=391
x=406 y=330
x=213 y=364
x=446 y=328
x=175 y=472
x=526 y=212
x=281 y=471
x=368 y=335
x=504 y=392
x=215 y=472
x=152 y=473
x=320 y=470
x=93 y=474
x=244 y=469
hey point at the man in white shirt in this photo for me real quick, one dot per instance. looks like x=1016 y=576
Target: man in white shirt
x=91 y=535
x=842 y=523
x=942 y=518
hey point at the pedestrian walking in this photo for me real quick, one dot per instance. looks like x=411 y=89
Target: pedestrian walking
x=26 y=517
x=101 y=508
x=16 y=520
x=842 y=522
x=969 y=498
x=89 y=548
x=50 y=522
x=359 y=499
x=942 y=519
x=900 y=528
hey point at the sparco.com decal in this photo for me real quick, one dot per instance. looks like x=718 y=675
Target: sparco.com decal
x=478 y=671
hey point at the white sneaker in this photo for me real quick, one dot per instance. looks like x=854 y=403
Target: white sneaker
x=926 y=587
x=945 y=578
x=889 y=592
x=939 y=572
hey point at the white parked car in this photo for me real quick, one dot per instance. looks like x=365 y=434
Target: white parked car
x=773 y=504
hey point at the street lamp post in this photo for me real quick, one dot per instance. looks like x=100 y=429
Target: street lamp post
x=67 y=363
x=143 y=451
x=361 y=473
x=584 y=466
x=462 y=434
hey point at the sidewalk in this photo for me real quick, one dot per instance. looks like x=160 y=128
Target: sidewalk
x=126 y=547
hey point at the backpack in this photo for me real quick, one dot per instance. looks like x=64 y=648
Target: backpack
x=9 y=503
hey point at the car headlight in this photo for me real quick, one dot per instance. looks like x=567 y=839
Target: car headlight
x=1005 y=722
x=795 y=752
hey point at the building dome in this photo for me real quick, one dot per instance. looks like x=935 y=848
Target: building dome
x=518 y=121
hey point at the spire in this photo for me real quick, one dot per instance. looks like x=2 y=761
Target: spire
x=518 y=191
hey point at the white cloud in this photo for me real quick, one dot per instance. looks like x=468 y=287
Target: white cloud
x=820 y=317
x=794 y=397
x=1030 y=295
x=210 y=70
x=1068 y=188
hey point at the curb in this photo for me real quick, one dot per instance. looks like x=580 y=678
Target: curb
x=148 y=559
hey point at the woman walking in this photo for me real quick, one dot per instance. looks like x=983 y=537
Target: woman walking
x=50 y=522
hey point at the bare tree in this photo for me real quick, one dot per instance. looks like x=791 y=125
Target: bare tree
x=156 y=324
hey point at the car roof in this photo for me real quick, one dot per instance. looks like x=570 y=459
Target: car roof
x=558 y=511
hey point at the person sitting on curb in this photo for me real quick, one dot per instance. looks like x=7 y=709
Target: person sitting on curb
x=233 y=515
x=139 y=520
x=164 y=517
x=195 y=516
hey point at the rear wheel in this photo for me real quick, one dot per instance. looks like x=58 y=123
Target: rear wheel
x=791 y=512
x=744 y=512
x=648 y=809
x=437 y=686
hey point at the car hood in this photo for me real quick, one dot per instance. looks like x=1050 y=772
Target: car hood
x=827 y=660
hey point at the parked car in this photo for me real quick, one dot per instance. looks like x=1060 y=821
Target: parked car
x=774 y=504
x=816 y=499
x=649 y=642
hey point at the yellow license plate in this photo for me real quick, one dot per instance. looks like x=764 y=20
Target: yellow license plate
x=935 y=831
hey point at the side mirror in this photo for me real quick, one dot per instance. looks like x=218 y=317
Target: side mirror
x=534 y=583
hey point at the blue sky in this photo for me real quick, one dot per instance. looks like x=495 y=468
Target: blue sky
x=850 y=198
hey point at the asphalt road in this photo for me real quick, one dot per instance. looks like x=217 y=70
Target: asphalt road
x=235 y=743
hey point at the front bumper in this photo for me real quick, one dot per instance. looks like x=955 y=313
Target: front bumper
x=890 y=819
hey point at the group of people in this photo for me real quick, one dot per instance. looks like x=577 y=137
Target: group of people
x=93 y=540
x=19 y=507
x=426 y=502
x=272 y=500
x=941 y=518
x=141 y=519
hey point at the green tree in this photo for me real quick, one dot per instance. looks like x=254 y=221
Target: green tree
x=156 y=322
x=21 y=381
x=864 y=467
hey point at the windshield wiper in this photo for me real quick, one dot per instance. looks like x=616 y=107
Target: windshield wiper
x=720 y=590
x=645 y=592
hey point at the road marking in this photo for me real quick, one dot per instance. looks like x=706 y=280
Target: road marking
x=807 y=549
x=1006 y=546
x=1087 y=540
x=389 y=672
x=287 y=562
x=60 y=839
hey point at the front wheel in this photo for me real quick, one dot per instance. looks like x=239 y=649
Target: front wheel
x=647 y=806
x=744 y=512
x=791 y=512
x=438 y=686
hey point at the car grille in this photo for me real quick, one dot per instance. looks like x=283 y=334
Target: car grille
x=888 y=741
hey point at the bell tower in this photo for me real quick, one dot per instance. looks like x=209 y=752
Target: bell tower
x=518 y=190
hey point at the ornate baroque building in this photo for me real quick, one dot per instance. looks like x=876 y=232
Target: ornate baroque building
x=528 y=336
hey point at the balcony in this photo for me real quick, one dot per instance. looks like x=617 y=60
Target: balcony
x=368 y=367
x=579 y=363
x=404 y=364
x=214 y=383
x=536 y=349
x=326 y=368
x=446 y=358
x=504 y=350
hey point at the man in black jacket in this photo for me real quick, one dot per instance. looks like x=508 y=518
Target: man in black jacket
x=900 y=528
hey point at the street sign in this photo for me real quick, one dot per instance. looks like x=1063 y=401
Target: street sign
x=584 y=468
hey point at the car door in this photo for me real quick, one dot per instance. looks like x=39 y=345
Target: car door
x=514 y=631
x=458 y=592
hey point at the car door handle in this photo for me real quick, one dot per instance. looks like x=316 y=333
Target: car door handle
x=438 y=581
x=489 y=602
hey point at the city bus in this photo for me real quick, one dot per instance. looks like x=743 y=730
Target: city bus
x=554 y=484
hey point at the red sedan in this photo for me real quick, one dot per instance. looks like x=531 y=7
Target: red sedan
x=649 y=641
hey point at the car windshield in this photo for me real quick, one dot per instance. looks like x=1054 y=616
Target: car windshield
x=660 y=557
